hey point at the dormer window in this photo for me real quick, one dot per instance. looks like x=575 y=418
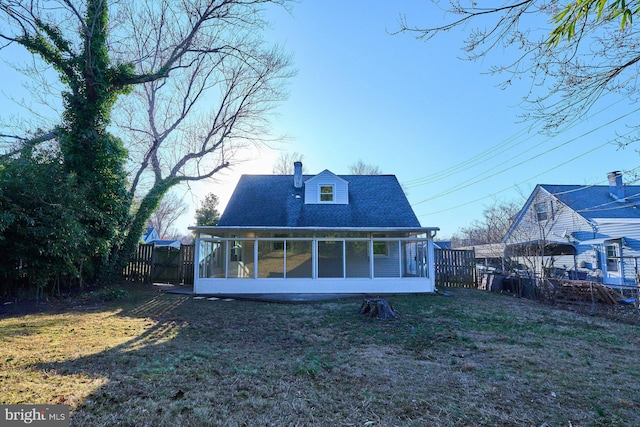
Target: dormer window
x=327 y=193
x=326 y=188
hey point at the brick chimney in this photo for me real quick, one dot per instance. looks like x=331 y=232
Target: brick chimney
x=297 y=174
x=616 y=189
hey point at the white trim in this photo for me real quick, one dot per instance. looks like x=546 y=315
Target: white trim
x=614 y=277
x=344 y=258
x=401 y=259
x=320 y=193
x=372 y=267
x=314 y=284
x=255 y=259
x=196 y=265
x=604 y=221
x=314 y=259
x=284 y=260
x=226 y=259
x=431 y=265
x=324 y=174
x=207 y=229
x=238 y=286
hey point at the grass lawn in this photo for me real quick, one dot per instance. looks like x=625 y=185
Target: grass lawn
x=470 y=359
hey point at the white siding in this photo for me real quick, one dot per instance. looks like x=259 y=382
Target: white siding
x=389 y=285
x=340 y=186
x=562 y=223
x=630 y=230
x=388 y=265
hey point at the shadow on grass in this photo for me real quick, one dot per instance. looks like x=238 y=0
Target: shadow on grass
x=199 y=362
x=472 y=359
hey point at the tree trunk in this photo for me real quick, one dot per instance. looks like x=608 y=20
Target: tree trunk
x=379 y=308
x=121 y=255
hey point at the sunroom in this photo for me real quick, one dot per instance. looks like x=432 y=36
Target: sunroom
x=236 y=261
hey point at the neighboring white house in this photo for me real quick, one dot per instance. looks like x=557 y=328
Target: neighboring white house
x=315 y=234
x=590 y=230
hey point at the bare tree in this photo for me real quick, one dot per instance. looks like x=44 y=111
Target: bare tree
x=572 y=54
x=362 y=168
x=216 y=102
x=284 y=163
x=170 y=208
x=536 y=239
x=492 y=228
x=199 y=81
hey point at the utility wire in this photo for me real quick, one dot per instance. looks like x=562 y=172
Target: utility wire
x=515 y=185
x=469 y=163
x=467 y=184
x=478 y=159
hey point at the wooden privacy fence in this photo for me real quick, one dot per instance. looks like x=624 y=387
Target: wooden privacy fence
x=139 y=269
x=455 y=268
x=162 y=264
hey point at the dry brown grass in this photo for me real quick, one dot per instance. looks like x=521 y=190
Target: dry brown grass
x=472 y=359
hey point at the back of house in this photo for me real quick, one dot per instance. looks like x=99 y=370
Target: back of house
x=323 y=233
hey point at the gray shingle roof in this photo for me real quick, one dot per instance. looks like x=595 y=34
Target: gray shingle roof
x=272 y=201
x=595 y=201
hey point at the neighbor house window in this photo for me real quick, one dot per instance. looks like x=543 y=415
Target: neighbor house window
x=541 y=211
x=326 y=193
x=612 y=258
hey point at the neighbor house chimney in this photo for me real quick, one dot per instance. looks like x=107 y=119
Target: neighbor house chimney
x=297 y=174
x=616 y=189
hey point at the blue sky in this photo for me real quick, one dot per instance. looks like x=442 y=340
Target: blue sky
x=413 y=108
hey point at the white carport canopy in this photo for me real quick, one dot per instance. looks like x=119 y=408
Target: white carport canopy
x=599 y=241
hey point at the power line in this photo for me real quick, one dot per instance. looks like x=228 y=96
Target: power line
x=517 y=184
x=478 y=159
x=469 y=163
x=467 y=184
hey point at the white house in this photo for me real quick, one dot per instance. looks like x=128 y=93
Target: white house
x=589 y=230
x=315 y=234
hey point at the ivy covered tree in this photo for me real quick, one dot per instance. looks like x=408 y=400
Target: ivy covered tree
x=167 y=58
x=90 y=156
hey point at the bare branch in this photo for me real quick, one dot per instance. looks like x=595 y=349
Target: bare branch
x=570 y=68
x=25 y=142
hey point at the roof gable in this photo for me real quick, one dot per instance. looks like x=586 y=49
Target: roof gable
x=150 y=234
x=325 y=174
x=593 y=203
x=326 y=188
x=523 y=212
